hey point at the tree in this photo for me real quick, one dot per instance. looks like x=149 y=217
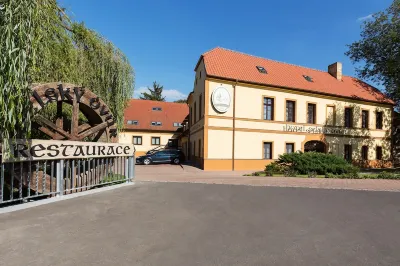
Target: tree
x=378 y=51
x=39 y=43
x=154 y=94
x=180 y=101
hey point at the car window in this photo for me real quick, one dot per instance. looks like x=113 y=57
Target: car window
x=160 y=153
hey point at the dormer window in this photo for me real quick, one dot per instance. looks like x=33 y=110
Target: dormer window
x=261 y=70
x=156 y=123
x=157 y=109
x=133 y=122
x=308 y=78
x=176 y=124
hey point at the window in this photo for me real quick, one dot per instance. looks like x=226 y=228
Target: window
x=155 y=140
x=311 y=110
x=262 y=70
x=157 y=109
x=200 y=74
x=195 y=114
x=379 y=119
x=289 y=147
x=290 y=111
x=267 y=150
x=308 y=78
x=330 y=115
x=379 y=153
x=200 y=148
x=200 y=106
x=156 y=123
x=364 y=152
x=347 y=152
x=364 y=118
x=177 y=124
x=268 y=108
x=191 y=116
x=137 y=140
x=348 y=117
x=133 y=122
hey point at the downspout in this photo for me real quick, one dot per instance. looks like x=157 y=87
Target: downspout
x=233 y=126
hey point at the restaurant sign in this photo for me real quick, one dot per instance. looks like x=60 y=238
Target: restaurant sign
x=316 y=129
x=37 y=150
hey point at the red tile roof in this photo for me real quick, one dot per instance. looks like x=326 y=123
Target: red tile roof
x=142 y=111
x=232 y=65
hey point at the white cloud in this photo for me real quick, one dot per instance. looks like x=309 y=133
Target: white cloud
x=173 y=95
x=365 y=18
x=170 y=95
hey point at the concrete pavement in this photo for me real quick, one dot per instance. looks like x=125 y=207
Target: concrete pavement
x=202 y=224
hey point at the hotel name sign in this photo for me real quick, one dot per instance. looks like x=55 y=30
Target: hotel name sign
x=38 y=150
x=317 y=129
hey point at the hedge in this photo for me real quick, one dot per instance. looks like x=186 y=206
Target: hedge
x=311 y=162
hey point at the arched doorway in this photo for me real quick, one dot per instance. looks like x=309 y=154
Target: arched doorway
x=315 y=145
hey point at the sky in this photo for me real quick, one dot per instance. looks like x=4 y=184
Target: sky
x=164 y=39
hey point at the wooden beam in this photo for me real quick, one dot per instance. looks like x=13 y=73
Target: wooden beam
x=93 y=130
x=75 y=118
x=45 y=122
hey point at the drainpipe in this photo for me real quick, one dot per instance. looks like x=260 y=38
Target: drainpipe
x=233 y=125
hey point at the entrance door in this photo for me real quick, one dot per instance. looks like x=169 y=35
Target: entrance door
x=314 y=145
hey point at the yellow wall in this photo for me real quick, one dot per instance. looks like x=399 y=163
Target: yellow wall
x=127 y=137
x=251 y=130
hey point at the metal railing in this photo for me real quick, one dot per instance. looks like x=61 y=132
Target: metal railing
x=24 y=181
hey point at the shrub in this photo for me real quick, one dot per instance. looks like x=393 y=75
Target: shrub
x=387 y=175
x=269 y=173
x=275 y=168
x=290 y=172
x=330 y=175
x=319 y=163
x=312 y=174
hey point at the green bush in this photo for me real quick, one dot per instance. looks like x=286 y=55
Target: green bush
x=319 y=163
x=275 y=168
x=269 y=173
x=290 y=172
x=312 y=174
x=387 y=175
x=330 y=175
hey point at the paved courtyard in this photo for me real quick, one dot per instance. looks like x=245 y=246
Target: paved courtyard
x=184 y=173
x=204 y=224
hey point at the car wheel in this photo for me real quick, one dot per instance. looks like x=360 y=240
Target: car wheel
x=146 y=161
x=176 y=161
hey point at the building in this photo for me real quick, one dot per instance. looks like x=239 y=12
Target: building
x=152 y=124
x=245 y=111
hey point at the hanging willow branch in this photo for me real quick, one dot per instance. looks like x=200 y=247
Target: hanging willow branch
x=39 y=44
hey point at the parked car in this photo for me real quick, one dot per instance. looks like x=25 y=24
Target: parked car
x=163 y=156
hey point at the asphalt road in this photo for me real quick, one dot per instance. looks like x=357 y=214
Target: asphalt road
x=199 y=224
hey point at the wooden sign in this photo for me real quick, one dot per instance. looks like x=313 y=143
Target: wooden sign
x=39 y=150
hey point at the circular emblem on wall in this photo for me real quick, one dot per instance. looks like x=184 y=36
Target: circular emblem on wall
x=221 y=99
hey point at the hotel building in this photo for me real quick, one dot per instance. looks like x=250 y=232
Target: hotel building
x=152 y=124
x=245 y=111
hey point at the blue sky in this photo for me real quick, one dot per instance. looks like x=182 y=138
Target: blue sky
x=163 y=39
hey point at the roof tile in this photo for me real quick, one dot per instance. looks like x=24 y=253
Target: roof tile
x=142 y=111
x=232 y=65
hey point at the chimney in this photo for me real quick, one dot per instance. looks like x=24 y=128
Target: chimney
x=335 y=70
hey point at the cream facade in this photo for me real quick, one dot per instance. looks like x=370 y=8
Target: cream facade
x=235 y=140
x=146 y=139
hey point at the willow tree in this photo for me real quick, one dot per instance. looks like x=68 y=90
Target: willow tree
x=39 y=44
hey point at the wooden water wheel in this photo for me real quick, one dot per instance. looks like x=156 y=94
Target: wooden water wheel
x=98 y=125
